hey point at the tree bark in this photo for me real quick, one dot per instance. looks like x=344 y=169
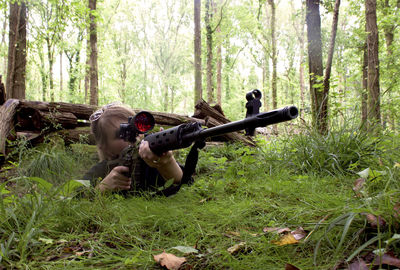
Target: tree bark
x=374 y=112
x=16 y=71
x=2 y=91
x=50 y=58
x=325 y=101
x=94 y=84
x=198 y=89
x=87 y=69
x=313 y=20
x=3 y=40
x=274 y=55
x=364 y=91
x=209 y=39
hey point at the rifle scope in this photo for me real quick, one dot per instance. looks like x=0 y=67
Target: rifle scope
x=138 y=124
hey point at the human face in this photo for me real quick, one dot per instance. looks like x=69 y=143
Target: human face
x=114 y=145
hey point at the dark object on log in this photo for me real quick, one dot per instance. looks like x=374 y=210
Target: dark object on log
x=2 y=92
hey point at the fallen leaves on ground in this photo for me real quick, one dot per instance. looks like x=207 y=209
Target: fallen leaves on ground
x=288 y=236
x=231 y=234
x=70 y=250
x=238 y=248
x=374 y=221
x=168 y=260
x=372 y=261
x=289 y=266
x=358 y=185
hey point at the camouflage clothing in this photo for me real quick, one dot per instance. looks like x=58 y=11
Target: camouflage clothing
x=144 y=178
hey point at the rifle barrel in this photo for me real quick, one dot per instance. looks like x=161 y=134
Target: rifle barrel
x=260 y=120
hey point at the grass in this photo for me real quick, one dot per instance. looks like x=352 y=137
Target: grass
x=303 y=182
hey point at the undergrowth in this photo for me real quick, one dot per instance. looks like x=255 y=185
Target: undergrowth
x=299 y=181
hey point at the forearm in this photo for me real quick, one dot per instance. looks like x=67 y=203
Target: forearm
x=170 y=169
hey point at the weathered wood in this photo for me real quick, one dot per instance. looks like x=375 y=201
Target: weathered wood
x=81 y=111
x=7 y=112
x=203 y=109
x=76 y=135
x=172 y=119
x=235 y=136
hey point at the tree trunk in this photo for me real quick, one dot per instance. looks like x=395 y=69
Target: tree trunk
x=2 y=91
x=50 y=59
x=389 y=30
x=374 y=112
x=198 y=89
x=299 y=28
x=94 y=85
x=209 y=39
x=16 y=71
x=364 y=91
x=87 y=69
x=43 y=73
x=324 y=105
x=219 y=70
x=274 y=55
x=3 y=40
x=313 y=21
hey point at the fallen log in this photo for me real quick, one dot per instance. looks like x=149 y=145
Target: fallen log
x=81 y=111
x=33 y=117
x=171 y=119
x=203 y=109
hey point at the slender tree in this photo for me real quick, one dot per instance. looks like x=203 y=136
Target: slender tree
x=364 y=91
x=94 y=85
x=274 y=55
x=209 y=59
x=219 y=65
x=327 y=77
x=299 y=29
x=374 y=111
x=15 y=84
x=198 y=89
x=313 y=20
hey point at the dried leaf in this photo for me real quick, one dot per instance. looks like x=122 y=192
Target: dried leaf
x=286 y=239
x=373 y=220
x=358 y=265
x=358 y=184
x=231 y=234
x=278 y=230
x=388 y=259
x=289 y=266
x=170 y=261
x=237 y=248
x=396 y=209
x=299 y=233
x=186 y=250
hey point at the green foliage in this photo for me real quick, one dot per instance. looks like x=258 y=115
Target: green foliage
x=237 y=189
x=344 y=151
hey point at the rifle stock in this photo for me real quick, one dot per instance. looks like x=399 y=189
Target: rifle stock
x=184 y=135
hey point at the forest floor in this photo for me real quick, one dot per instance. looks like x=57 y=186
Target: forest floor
x=305 y=202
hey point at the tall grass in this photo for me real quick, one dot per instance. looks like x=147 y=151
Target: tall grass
x=303 y=181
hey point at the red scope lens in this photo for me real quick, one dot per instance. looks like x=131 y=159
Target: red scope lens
x=144 y=122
